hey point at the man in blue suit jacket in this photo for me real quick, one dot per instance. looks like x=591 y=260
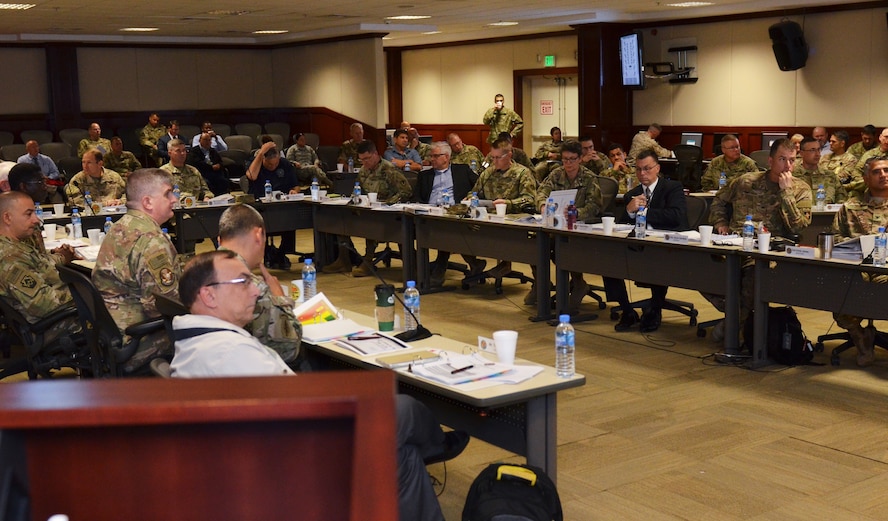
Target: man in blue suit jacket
x=666 y=210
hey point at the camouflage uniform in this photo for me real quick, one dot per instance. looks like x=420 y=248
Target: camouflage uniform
x=543 y=167
x=349 y=149
x=597 y=165
x=710 y=178
x=861 y=165
x=860 y=215
x=423 y=149
x=148 y=138
x=307 y=158
x=857 y=149
x=835 y=190
x=109 y=186
x=518 y=156
x=387 y=181
x=125 y=163
x=842 y=166
x=137 y=261
x=516 y=185
x=274 y=323
x=85 y=144
x=505 y=120
x=588 y=201
x=31 y=284
x=621 y=176
x=644 y=141
x=548 y=147
x=469 y=153
x=189 y=181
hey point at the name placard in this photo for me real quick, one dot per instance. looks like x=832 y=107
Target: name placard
x=677 y=238
x=805 y=252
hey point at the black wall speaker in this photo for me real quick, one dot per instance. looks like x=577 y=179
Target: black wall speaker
x=789 y=45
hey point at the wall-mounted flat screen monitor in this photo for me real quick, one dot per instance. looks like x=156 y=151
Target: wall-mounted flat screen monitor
x=692 y=138
x=631 y=61
x=768 y=139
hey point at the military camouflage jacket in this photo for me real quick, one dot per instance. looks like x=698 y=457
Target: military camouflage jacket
x=504 y=120
x=387 y=181
x=30 y=281
x=149 y=135
x=102 y=144
x=109 y=186
x=620 y=175
x=644 y=141
x=588 y=201
x=843 y=165
x=783 y=212
x=835 y=190
x=125 y=163
x=469 y=153
x=189 y=180
x=718 y=165
x=547 y=147
x=349 y=149
x=516 y=185
x=860 y=215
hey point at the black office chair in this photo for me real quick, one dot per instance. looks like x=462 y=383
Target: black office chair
x=104 y=341
x=834 y=358
x=609 y=188
x=168 y=308
x=43 y=357
x=689 y=170
x=329 y=156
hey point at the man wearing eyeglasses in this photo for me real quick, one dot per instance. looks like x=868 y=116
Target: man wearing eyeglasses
x=219 y=292
x=732 y=162
x=462 y=154
x=137 y=260
x=104 y=185
x=813 y=172
x=27 y=178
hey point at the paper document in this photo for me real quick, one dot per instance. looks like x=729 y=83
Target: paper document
x=326 y=331
x=371 y=343
x=457 y=369
x=315 y=310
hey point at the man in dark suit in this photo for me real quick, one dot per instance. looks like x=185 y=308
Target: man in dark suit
x=162 y=143
x=430 y=188
x=666 y=210
x=209 y=163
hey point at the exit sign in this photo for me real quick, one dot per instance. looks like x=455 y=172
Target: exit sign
x=547 y=107
x=549 y=60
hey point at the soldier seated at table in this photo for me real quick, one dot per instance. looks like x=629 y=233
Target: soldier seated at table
x=815 y=174
x=731 y=162
x=548 y=155
x=105 y=186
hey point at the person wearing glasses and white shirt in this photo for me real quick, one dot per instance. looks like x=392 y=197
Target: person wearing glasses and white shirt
x=732 y=162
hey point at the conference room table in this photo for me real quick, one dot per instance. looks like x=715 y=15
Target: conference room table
x=521 y=418
x=497 y=239
x=708 y=269
x=826 y=284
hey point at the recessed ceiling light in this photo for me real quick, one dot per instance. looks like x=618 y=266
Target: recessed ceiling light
x=139 y=29
x=271 y=31
x=502 y=24
x=690 y=4
x=408 y=17
x=19 y=7
x=432 y=32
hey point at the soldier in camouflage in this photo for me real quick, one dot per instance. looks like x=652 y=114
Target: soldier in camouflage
x=120 y=160
x=776 y=201
x=867 y=142
x=731 y=161
x=349 y=147
x=185 y=176
x=815 y=175
x=502 y=119
x=839 y=161
x=242 y=230
x=137 y=261
x=548 y=151
x=95 y=140
x=148 y=137
x=464 y=154
x=305 y=161
x=863 y=215
x=594 y=161
x=859 y=169
x=647 y=140
x=505 y=181
x=620 y=170
x=387 y=181
x=423 y=149
x=105 y=186
x=30 y=281
x=519 y=156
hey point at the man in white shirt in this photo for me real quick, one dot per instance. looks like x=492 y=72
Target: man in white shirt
x=216 y=142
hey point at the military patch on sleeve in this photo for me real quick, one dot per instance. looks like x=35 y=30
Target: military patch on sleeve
x=24 y=282
x=158 y=260
x=159 y=264
x=166 y=277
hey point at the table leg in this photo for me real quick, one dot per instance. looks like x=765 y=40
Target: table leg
x=542 y=427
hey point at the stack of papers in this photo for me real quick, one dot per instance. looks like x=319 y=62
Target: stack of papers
x=455 y=369
x=321 y=323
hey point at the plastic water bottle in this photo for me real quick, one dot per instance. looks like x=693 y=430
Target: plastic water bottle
x=473 y=201
x=474 y=166
x=38 y=210
x=268 y=190
x=411 y=304
x=309 y=279
x=748 y=234
x=315 y=190
x=166 y=233
x=550 y=213
x=108 y=224
x=820 y=201
x=572 y=215
x=722 y=180
x=447 y=198
x=565 y=349
x=880 y=252
x=407 y=166
x=76 y=224
x=178 y=195
x=351 y=165
x=641 y=222
x=356 y=193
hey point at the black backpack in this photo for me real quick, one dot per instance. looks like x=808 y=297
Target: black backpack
x=504 y=492
x=786 y=342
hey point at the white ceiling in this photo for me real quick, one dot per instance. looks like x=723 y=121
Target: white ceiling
x=233 y=21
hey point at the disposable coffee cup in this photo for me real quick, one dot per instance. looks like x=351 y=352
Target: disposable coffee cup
x=764 y=242
x=93 y=234
x=339 y=167
x=825 y=243
x=608 y=223
x=385 y=307
x=58 y=209
x=50 y=230
x=372 y=196
x=501 y=209
x=506 y=342
x=705 y=234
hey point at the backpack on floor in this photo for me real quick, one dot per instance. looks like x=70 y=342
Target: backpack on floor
x=504 y=492
x=786 y=342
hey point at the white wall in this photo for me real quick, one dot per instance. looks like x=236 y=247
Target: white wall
x=741 y=85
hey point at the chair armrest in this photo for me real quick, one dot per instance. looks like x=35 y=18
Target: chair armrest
x=145 y=327
x=68 y=311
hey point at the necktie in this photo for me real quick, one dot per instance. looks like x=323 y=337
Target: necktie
x=34 y=159
x=647 y=193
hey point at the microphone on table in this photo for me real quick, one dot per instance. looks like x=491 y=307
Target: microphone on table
x=407 y=336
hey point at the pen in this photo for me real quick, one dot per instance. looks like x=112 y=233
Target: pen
x=371 y=337
x=461 y=369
